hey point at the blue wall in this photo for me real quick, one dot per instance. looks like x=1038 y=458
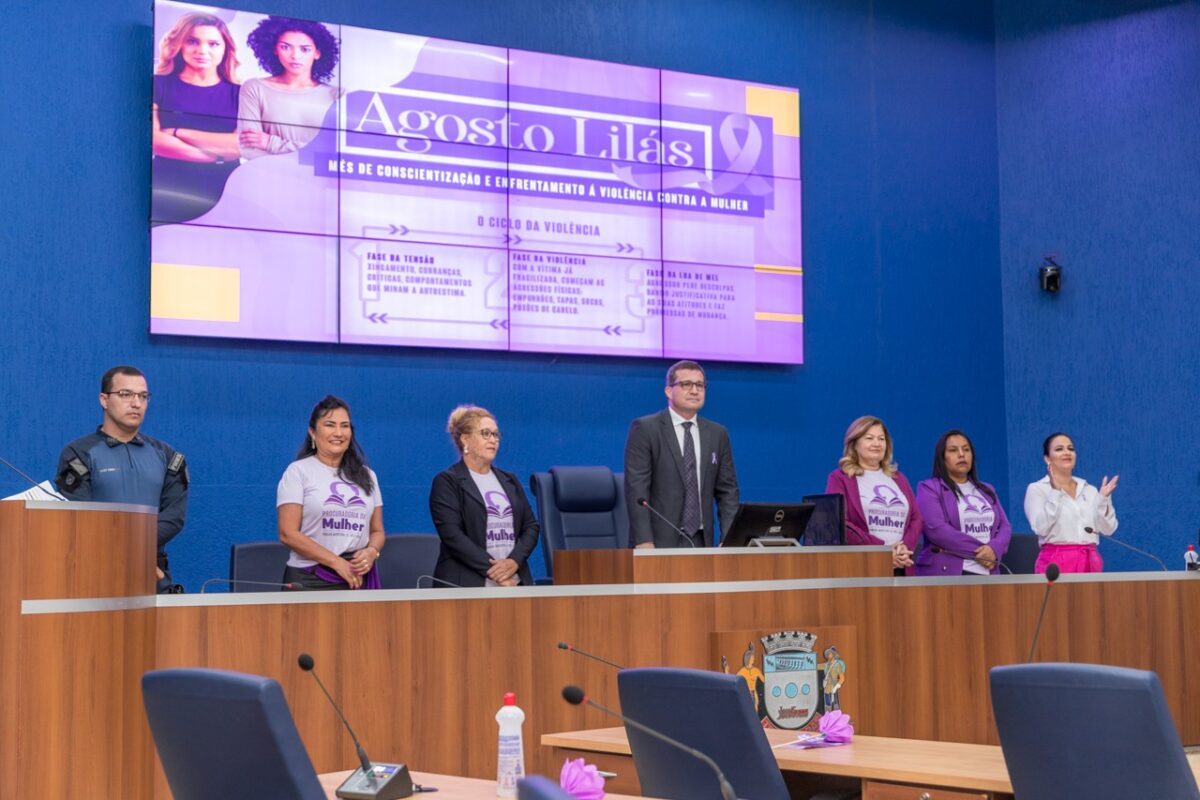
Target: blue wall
x=1098 y=114
x=901 y=216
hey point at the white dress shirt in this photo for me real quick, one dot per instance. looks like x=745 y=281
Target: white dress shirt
x=1058 y=518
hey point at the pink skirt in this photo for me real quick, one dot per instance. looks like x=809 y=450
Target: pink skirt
x=1070 y=558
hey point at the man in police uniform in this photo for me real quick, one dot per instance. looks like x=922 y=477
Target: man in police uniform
x=117 y=464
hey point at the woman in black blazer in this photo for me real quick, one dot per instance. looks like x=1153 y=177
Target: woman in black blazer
x=486 y=524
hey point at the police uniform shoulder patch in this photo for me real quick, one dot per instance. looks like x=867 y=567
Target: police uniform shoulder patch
x=74 y=473
x=178 y=466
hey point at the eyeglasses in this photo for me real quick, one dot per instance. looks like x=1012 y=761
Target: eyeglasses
x=488 y=434
x=127 y=395
x=687 y=386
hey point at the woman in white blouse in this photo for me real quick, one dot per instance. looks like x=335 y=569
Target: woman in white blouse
x=1068 y=514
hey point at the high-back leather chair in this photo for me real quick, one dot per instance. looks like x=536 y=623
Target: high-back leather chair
x=580 y=508
x=708 y=711
x=226 y=735
x=1087 y=730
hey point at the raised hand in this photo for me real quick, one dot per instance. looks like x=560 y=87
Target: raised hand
x=1107 y=487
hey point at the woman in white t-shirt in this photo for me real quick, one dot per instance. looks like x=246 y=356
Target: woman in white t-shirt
x=966 y=530
x=880 y=507
x=330 y=507
x=485 y=522
x=1068 y=514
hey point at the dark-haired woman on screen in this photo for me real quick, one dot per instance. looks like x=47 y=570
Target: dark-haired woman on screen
x=330 y=507
x=966 y=530
x=1068 y=514
x=284 y=112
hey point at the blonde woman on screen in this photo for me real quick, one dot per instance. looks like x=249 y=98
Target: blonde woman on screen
x=193 y=117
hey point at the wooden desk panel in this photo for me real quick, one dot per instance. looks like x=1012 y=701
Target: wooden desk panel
x=421 y=673
x=971 y=767
x=686 y=565
x=69 y=682
x=909 y=761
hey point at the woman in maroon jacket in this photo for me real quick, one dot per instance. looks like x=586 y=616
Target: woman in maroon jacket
x=880 y=507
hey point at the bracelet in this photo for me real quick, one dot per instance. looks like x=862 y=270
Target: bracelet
x=378 y=554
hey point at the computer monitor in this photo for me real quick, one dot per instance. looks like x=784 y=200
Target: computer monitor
x=768 y=522
x=828 y=524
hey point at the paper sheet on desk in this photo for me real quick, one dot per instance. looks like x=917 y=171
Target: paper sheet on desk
x=808 y=741
x=43 y=491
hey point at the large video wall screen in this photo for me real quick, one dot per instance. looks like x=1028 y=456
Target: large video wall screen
x=325 y=183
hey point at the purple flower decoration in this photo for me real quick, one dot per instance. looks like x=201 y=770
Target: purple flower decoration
x=581 y=781
x=835 y=727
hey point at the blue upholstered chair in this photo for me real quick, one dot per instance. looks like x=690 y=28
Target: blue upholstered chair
x=256 y=561
x=406 y=557
x=226 y=735
x=708 y=711
x=1086 y=730
x=580 y=508
x=827 y=526
x=535 y=787
x=1022 y=553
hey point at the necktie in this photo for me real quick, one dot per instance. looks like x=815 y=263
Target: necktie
x=691 y=488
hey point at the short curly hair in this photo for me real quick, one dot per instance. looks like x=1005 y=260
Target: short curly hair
x=266 y=34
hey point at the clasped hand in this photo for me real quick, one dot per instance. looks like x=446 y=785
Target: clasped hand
x=504 y=571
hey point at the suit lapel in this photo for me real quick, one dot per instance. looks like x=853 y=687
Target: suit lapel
x=670 y=442
x=708 y=450
x=468 y=483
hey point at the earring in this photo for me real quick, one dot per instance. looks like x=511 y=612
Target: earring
x=313 y=442
x=466 y=449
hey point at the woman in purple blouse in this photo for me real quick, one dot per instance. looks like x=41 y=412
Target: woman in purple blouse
x=966 y=530
x=194 y=118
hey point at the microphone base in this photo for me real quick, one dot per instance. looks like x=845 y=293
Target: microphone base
x=383 y=782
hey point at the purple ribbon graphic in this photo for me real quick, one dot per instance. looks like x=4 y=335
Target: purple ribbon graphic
x=742 y=158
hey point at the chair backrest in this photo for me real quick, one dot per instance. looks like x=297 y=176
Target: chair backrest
x=256 y=561
x=536 y=787
x=227 y=735
x=580 y=508
x=1087 y=730
x=709 y=711
x=1022 y=553
x=406 y=557
x=827 y=526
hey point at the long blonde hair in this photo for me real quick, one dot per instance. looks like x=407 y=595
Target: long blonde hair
x=170 y=55
x=462 y=420
x=849 y=460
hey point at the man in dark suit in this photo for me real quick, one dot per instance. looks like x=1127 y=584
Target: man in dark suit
x=680 y=463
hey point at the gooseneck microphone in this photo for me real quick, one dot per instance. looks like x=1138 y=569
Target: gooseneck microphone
x=231 y=582
x=644 y=503
x=368 y=782
x=29 y=480
x=572 y=649
x=971 y=557
x=1052 y=573
x=433 y=580
x=1128 y=546
x=575 y=696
